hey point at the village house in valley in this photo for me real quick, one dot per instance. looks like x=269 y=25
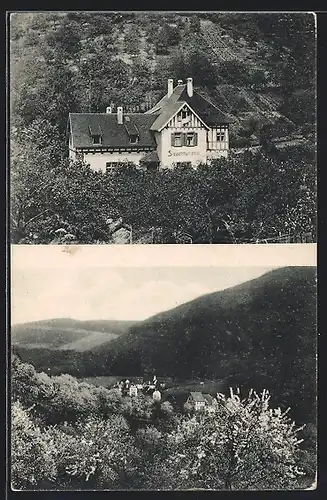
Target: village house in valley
x=198 y=401
x=183 y=127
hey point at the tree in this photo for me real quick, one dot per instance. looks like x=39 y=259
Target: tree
x=233 y=72
x=244 y=444
x=195 y=24
x=32 y=460
x=95 y=453
x=161 y=44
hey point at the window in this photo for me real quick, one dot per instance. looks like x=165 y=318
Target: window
x=220 y=135
x=184 y=114
x=176 y=139
x=96 y=139
x=110 y=164
x=184 y=163
x=133 y=138
x=184 y=139
x=96 y=134
x=191 y=139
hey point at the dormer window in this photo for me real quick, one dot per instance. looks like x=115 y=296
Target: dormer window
x=134 y=139
x=132 y=131
x=96 y=139
x=96 y=134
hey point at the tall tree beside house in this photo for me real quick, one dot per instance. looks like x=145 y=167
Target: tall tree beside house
x=35 y=152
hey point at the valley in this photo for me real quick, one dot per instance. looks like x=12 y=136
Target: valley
x=260 y=333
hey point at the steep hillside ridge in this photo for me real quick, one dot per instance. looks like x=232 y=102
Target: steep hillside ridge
x=199 y=337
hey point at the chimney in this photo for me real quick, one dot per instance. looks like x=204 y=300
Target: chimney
x=120 y=115
x=170 y=87
x=179 y=82
x=190 y=87
x=108 y=110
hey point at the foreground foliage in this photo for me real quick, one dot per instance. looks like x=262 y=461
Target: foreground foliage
x=251 y=196
x=239 y=444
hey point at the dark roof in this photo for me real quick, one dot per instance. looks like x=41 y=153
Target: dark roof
x=151 y=157
x=198 y=397
x=113 y=135
x=206 y=110
x=166 y=113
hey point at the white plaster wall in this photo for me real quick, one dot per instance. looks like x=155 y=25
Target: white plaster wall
x=97 y=161
x=171 y=155
x=72 y=154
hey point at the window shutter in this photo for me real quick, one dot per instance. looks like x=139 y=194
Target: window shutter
x=172 y=139
x=183 y=139
x=195 y=139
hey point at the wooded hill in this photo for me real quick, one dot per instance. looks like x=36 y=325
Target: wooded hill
x=259 y=68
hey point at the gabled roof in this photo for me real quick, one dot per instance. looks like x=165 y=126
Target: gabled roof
x=113 y=134
x=197 y=397
x=205 y=109
x=168 y=112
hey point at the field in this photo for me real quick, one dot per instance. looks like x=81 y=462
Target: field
x=100 y=381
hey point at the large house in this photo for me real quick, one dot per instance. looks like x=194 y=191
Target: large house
x=198 y=401
x=183 y=127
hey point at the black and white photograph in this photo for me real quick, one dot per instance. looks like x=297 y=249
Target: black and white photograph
x=162 y=127
x=166 y=375
x=161 y=261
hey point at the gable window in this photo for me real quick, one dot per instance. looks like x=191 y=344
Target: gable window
x=184 y=114
x=220 y=135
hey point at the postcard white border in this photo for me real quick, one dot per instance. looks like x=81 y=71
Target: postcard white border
x=61 y=256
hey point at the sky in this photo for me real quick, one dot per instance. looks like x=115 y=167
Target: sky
x=104 y=292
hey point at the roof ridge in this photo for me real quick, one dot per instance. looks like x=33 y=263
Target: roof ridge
x=99 y=113
x=210 y=102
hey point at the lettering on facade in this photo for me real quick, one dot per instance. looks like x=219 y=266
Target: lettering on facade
x=183 y=153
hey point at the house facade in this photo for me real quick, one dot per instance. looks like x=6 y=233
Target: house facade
x=197 y=401
x=183 y=127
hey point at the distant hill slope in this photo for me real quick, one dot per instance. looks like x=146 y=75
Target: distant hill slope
x=67 y=334
x=259 y=334
x=264 y=315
